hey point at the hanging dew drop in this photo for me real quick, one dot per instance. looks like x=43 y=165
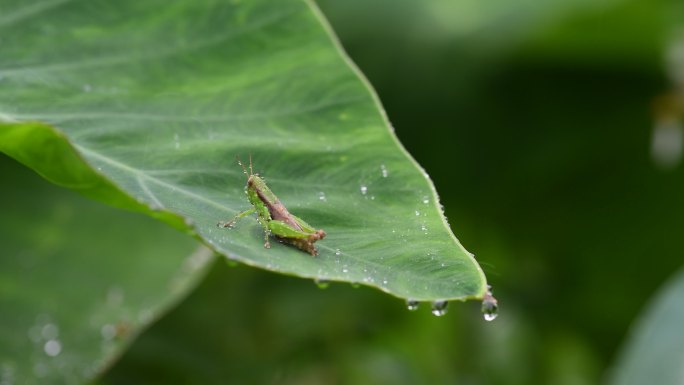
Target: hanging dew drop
x=384 y=171
x=439 y=308
x=490 y=307
x=412 y=304
x=490 y=316
x=322 y=283
x=338 y=252
x=364 y=189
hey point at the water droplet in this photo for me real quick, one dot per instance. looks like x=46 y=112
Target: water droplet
x=338 y=252
x=321 y=196
x=424 y=228
x=439 y=308
x=412 y=304
x=364 y=189
x=426 y=200
x=345 y=270
x=417 y=213
x=87 y=88
x=52 y=348
x=384 y=171
x=490 y=307
x=322 y=283
x=108 y=331
x=50 y=331
x=384 y=282
x=355 y=285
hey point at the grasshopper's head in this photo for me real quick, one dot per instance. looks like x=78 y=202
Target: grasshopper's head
x=256 y=182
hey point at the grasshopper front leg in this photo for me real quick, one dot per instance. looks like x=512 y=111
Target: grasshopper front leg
x=236 y=218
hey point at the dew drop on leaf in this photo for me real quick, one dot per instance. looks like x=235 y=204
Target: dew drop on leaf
x=52 y=348
x=108 y=331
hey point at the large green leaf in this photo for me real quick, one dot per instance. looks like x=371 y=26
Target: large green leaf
x=158 y=98
x=78 y=280
x=654 y=353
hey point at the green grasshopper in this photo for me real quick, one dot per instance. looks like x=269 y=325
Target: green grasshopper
x=274 y=217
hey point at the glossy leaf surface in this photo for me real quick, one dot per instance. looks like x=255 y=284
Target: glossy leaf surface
x=157 y=99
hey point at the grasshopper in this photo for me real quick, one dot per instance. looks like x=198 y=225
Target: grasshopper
x=274 y=217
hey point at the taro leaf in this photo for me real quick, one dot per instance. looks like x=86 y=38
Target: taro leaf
x=654 y=353
x=78 y=280
x=160 y=97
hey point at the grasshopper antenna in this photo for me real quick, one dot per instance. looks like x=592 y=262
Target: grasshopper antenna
x=251 y=172
x=244 y=170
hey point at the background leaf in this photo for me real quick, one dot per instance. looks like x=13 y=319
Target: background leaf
x=655 y=349
x=160 y=97
x=79 y=280
x=286 y=333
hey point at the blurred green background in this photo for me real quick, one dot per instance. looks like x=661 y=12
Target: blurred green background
x=536 y=122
